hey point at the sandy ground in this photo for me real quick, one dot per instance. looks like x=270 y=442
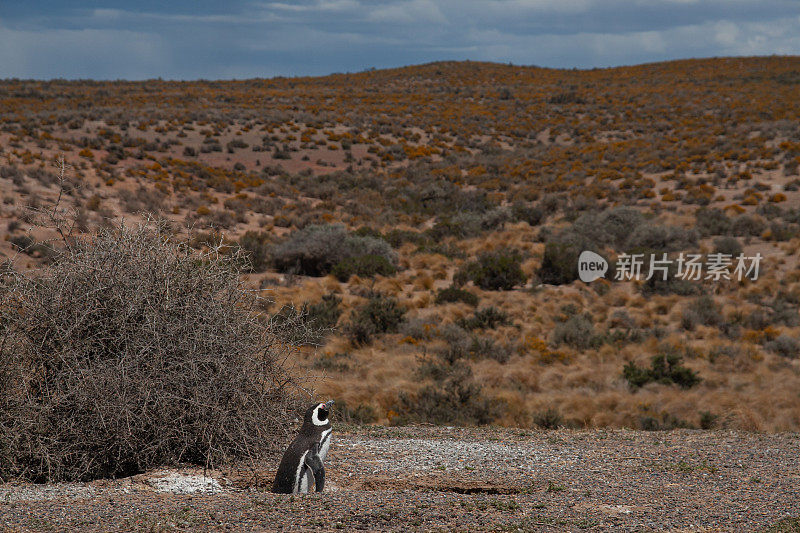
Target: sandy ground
x=445 y=479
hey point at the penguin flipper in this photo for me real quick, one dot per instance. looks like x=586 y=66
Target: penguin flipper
x=314 y=462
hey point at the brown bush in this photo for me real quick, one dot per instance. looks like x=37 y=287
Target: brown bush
x=131 y=352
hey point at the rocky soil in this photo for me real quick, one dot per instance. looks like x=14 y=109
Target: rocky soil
x=457 y=479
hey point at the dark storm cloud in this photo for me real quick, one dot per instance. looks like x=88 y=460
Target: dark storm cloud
x=200 y=39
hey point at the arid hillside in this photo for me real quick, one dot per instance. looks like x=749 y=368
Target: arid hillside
x=428 y=220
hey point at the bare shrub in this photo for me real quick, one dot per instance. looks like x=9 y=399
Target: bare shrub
x=132 y=351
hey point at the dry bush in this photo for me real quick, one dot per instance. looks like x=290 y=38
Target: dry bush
x=316 y=250
x=130 y=352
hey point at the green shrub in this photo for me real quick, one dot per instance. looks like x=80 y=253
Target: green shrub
x=360 y=414
x=339 y=362
x=315 y=250
x=667 y=422
x=397 y=237
x=526 y=213
x=593 y=231
x=548 y=419
x=784 y=345
x=661 y=238
x=454 y=294
x=420 y=328
x=560 y=263
x=783 y=309
x=469 y=224
x=578 y=332
x=365 y=266
x=611 y=227
x=672 y=285
x=488 y=348
x=256 y=244
x=366 y=231
x=636 y=376
x=712 y=221
x=747 y=226
x=311 y=323
x=500 y=270
x=566 y=98
x=359 y=332
x=485 y=318
x=453 y=398
x=781 y=232
x=727 y=245
x=665 y=368
x=459 y=343
x=708 y=420
x=447 y=249
x=379 y=315
x=325 y=313
x=703 y=310
x=386 y=313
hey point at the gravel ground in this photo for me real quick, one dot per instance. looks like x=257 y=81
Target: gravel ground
x=468 y=479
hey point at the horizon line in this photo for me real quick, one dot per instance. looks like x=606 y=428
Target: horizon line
x=372 y=69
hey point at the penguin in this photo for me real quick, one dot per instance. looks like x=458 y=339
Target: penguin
x=302 y=465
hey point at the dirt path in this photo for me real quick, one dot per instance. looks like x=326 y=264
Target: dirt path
x=419 y=478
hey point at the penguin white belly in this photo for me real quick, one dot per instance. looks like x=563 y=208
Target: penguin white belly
x=299 y=475
x=325 y=443
x=306 y=481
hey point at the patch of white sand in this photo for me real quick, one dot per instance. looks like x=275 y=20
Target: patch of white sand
x=178 y=483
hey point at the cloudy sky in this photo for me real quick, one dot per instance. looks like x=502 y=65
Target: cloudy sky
x=191 y=39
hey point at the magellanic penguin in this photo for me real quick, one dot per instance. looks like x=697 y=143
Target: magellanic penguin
x=301 y=466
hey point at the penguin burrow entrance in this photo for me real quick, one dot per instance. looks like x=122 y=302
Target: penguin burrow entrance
x=478 y=489
x=464 y=487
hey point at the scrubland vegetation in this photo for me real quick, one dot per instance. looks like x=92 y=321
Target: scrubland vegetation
x=131 y=352
x=428 y=220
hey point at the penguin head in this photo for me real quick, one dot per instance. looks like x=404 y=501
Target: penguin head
x=318 y=415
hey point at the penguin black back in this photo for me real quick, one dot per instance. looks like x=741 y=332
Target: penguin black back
x=302 y=464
